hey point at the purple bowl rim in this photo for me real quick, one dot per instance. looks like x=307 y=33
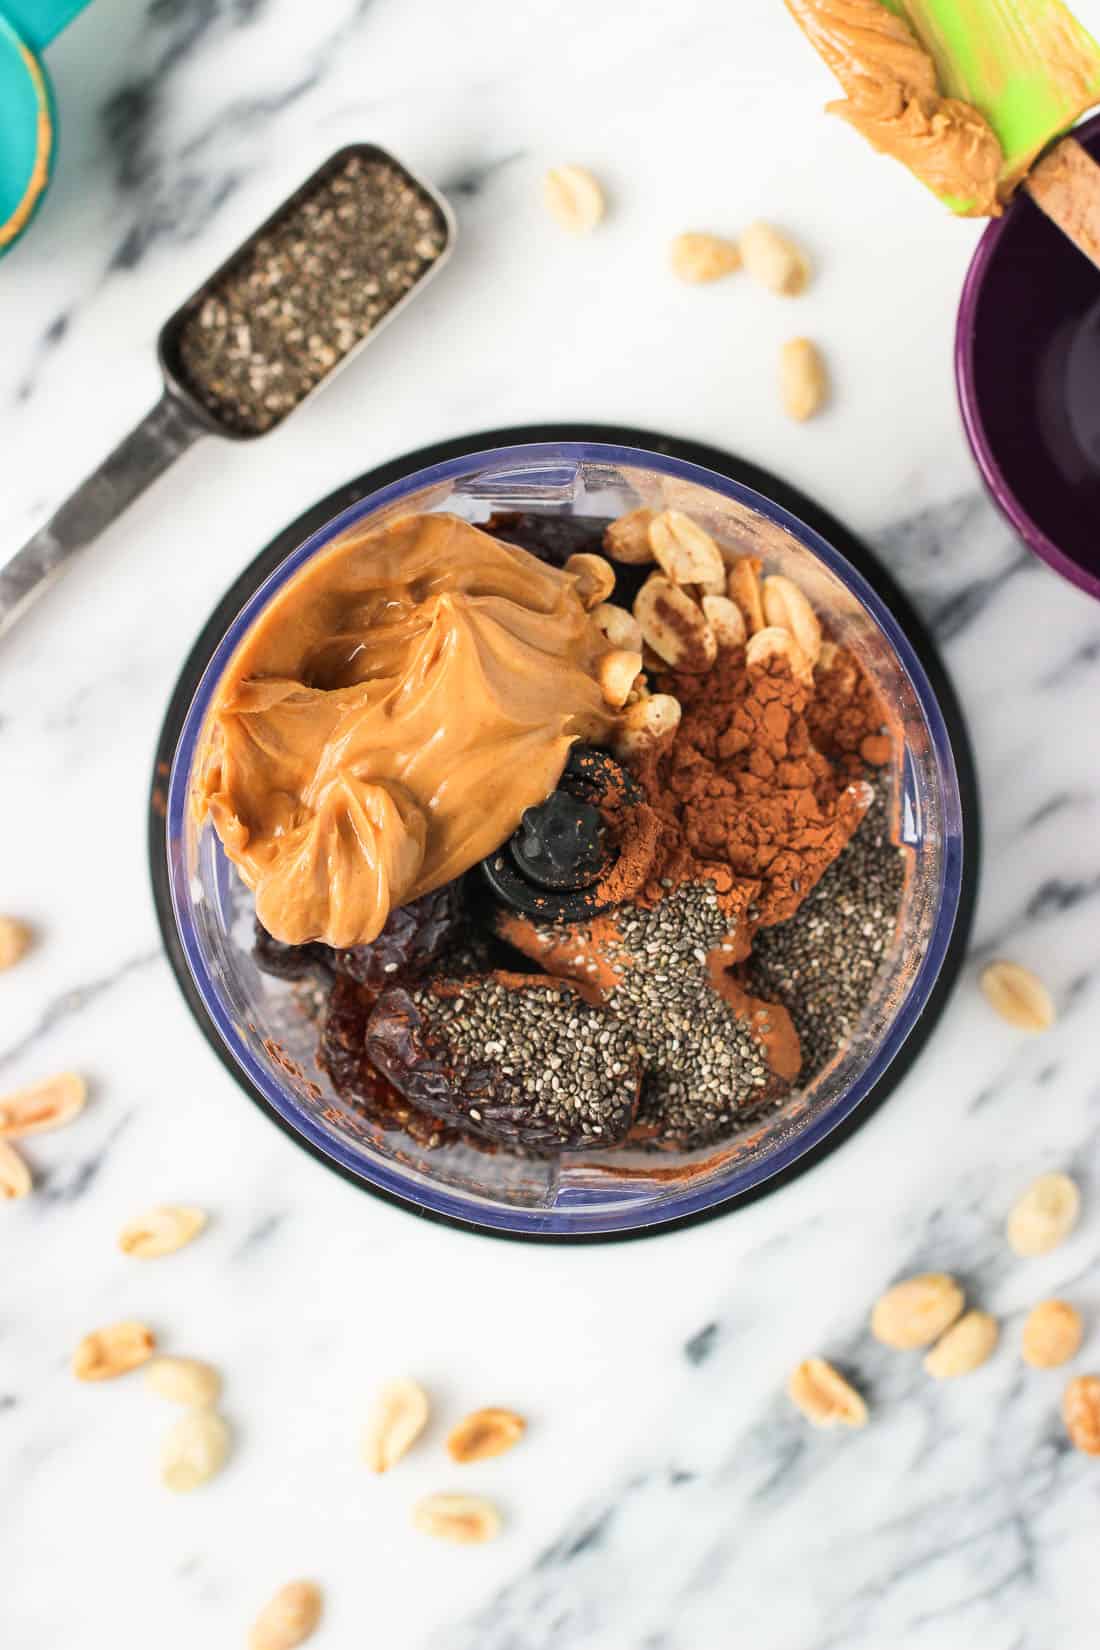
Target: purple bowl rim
x=467 y=1208
x=993 y=475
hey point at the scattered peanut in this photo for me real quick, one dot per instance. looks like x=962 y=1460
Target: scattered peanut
x=674 y=626
x=15 y=1176
x=646 y=721
x=161 y=1231
x=1081 y=1413
x=484 y=1433
x=595 y=578
x=573 y=198
x=917 y=1311
x=627 y=539
x=698 y=258
x=786 y=605
x=618 y=626
x=686 y=552
x=775 y=260
x=113 y=1351
x=1052 y=1334
x=616 y=673
x=775 y=643
x=743 y=586
x=184 y=1381
x=45 y=1105
x=1045 y=1215
x=462 y=1518
x=288 y=1619
x=1018 y=996
x=399 y=1416
x=195 y=1448
x=15 y=940
x=824 y=1396
x=725 y=619
x=965 y=1347
x=803 y=379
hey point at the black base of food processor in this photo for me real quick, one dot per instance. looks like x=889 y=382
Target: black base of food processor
x=692 y=452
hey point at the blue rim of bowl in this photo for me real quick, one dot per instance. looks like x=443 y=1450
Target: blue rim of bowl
x=465 y=1210
x=1000 y=488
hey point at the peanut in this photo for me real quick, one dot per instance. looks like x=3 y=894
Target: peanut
x=803 y=379
x=616 y=673
x=699 y=258
x=786 y=605
x=195 y=1448
x=184 y=1381
x=485 y=1433
x=674 y=626
x=466 y=1519
x=824 y=1396
x=1052 y=1334
x=619 y=627
x=775 y=260
x=917 y=1311
x=1081 y=1413
x=743 y=586
x=15 y=940
x=1018 y=996
x=775 y=643
x=15 y=1176
x=725 y=619
x=645 y=722
x=161 y=1231
x=964 y=1347
x=573 y=198
x=113 y=1351
x=685 y=551
x=627 y=539
x=288 y=1619
x=45 y=1105
x=595 y=578
x=1044 y=1215
x=399 y=1417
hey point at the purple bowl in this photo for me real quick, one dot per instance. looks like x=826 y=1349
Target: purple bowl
x=1027 y=362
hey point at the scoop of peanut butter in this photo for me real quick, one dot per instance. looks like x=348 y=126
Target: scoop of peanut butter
x=386 y=722
x=892 y=97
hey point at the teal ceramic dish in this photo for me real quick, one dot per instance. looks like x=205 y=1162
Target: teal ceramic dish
x=28 y=115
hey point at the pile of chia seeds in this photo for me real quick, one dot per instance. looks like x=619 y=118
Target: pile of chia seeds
x=821 y=965
x=554 y=1071
x=704 y=1070
x=304 y=294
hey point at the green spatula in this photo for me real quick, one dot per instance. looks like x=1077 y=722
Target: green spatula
x=1027 y=67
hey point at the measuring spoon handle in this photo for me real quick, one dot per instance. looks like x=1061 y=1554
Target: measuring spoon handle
x=166 y=431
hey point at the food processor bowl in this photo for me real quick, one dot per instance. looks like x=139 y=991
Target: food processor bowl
x=263 y=1022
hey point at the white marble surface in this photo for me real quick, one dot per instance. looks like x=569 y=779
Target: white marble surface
x=666 y=1497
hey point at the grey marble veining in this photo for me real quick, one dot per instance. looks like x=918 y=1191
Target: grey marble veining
x=666 y=1497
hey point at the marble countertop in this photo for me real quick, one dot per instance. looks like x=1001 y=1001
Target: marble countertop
x=667 y=1497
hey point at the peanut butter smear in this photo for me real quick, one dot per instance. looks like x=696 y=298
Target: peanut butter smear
x=893 y=99
x=386 y=722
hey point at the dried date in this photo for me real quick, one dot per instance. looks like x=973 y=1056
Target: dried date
x=414 y=937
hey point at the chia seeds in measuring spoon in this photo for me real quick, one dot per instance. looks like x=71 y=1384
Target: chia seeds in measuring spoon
x=314 y=283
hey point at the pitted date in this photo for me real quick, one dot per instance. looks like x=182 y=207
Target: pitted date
x=343 y=1055
x=286 y=962
x=566 y=1077
x=551 y=539
x=414 y=936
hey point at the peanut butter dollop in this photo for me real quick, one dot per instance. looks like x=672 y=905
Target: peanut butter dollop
x=893 y=98
x=385 y=723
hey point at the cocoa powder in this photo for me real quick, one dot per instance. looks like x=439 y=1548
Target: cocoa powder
x=761 y=777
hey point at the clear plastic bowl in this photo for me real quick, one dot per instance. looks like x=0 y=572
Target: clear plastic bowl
x=261 y=1020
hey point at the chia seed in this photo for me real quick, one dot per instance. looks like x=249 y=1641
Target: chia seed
x=823 y=963
x=307 y=290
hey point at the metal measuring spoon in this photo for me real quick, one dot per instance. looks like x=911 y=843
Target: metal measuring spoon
x=180 y=417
